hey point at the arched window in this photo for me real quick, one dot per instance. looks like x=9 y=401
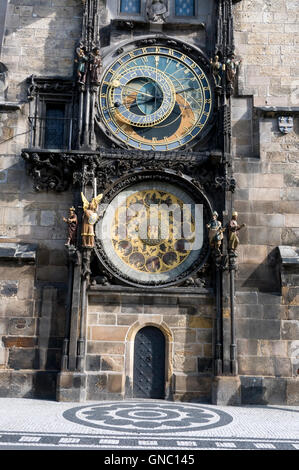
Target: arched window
x=130 y=6
x=184 y=8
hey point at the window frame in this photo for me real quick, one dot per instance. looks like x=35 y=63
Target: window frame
x=40 y=98
x=44 y=124
x=123 y=14
x=185 y=17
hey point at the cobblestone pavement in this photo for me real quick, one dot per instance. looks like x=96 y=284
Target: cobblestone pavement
x=145 y=424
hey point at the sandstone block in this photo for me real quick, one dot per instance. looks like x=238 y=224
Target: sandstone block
x=292 y=391
x=108 y=333
x=106 y=319
x=190 y=349
x=19 y=341
x=104 y=308
x=22 y=326
x=192 y=383
x=247 y=347
x=226 y=391
x=290 y=329
x=204 y=335
x=200 y=322
x=258 y=329
x=112 y=363
x=183 y=363
x=23 y=358
x=93 y=363
x=96 y=385
x=175 y=320
x=273 y=348
x=126 y=319
x=105 y=347
x=182 y=335
x=115 y=383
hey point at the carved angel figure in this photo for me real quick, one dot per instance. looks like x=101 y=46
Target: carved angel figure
x=157 y=11
x=90 y=217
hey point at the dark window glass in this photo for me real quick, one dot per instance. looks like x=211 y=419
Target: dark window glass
x=184 y=8
x=54 y=126
x=130 y=6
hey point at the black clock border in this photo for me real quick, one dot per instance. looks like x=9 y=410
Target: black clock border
x=166 y=176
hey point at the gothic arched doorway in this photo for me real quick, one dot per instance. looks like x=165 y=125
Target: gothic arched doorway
x=149 y=363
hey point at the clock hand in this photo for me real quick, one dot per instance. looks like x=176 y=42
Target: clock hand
x=137 y=91
x=117 y=104
x=184 y=89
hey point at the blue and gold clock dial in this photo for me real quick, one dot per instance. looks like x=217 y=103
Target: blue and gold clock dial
x=155 y=98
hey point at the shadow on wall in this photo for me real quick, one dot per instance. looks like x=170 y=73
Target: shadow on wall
x=3 y=81
x=265 y=276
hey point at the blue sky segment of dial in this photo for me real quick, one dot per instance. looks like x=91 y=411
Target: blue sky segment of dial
x=155 y=98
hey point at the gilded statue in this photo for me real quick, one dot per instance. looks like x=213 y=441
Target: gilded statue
x=233 y=229
x=81 y=61
x=90 y=217
x=215 y=232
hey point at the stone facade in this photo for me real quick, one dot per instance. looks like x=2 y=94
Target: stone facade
x=40 y=38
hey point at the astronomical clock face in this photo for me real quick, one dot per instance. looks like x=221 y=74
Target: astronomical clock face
x=155 y=98
x=151 y=233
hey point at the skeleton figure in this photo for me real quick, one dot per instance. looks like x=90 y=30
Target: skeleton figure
x=217 y=70
x=156 y=11
x=231 y=70
x=90 y=217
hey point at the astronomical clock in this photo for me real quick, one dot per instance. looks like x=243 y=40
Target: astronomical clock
x=157 y=100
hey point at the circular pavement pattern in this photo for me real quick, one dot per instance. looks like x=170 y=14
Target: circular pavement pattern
x=148 y=417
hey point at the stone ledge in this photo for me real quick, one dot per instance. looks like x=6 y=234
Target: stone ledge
x=289 y=255
x=226 y=390
x=277 y=110
x=25 y=252
x=10 y=106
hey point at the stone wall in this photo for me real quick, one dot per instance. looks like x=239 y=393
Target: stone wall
x=40 y=39
x=267 y=195
x=266 y=37
x=187 y=323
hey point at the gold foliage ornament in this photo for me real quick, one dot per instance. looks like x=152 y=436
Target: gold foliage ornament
x=153 y=251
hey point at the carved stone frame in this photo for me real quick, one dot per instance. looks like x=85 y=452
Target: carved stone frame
x=164 y=176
